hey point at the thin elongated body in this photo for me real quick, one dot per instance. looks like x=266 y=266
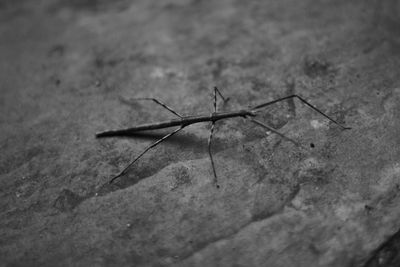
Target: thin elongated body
x=184 y=121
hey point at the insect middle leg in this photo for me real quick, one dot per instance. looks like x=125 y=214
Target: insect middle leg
x=211 y=134
x=210 y=155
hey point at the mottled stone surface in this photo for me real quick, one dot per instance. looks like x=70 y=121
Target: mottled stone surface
x=69 y=68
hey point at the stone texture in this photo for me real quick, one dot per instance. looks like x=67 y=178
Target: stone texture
x=69 y=68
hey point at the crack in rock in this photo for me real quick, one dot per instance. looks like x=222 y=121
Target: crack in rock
x=254 y=219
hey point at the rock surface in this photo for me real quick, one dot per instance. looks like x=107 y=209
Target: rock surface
x=69 y=69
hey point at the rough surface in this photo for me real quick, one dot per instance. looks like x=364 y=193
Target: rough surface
x=69 y=68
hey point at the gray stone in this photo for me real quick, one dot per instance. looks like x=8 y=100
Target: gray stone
x=69 y=68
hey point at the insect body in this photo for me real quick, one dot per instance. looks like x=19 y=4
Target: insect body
x=184 y=121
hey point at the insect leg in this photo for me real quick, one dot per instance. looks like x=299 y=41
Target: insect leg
x=210 y=154
x=211 y=135
x=259 y=123
x=220 y=94
x=144 y=151
x=158 y=102
x=304 y=102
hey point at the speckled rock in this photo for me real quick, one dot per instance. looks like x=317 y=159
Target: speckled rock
x=69 y=69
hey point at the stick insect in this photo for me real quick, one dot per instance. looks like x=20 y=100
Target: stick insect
x=184 y=121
